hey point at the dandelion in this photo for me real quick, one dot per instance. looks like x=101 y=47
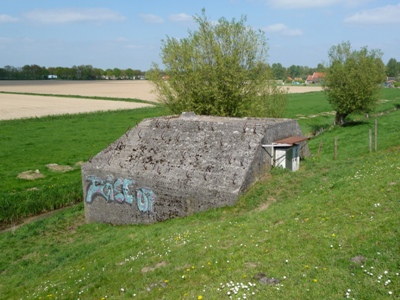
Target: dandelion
x=200 y=297
x=315 y=280
x=166 y=280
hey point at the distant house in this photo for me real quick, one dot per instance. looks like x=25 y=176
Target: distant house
x=390 y=81
x=315 y=78
x=297 y=80
x=52 y=77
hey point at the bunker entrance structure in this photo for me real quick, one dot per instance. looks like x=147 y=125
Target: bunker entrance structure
x=175 y=166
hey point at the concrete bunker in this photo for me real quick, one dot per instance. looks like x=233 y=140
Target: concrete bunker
x=175 y=166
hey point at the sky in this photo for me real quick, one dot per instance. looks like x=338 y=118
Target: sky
x=128 y=33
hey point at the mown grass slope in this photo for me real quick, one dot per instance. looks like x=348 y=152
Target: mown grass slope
x=328 y=231
x=32 y=144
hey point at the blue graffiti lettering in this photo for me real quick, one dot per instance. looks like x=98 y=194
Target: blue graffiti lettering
x=119 y=191
x=145 y=199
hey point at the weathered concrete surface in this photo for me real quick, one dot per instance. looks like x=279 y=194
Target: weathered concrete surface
x=178 y=165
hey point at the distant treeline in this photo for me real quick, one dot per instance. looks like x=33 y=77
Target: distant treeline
x=84 y=72
x=88 y=72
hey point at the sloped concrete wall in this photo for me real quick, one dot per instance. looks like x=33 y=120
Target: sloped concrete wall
x=178 y=165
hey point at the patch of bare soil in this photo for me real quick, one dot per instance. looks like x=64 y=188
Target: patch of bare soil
x=266 y=204
x=150 y=269
x=59 y=168
x=30 y=175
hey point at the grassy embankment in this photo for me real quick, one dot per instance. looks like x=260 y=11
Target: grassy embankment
x=301 y=228
x=31 y=144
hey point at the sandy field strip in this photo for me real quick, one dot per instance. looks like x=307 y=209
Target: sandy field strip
x=134 y=89
x=138 y=89
x=302 y=89
x=24 y=106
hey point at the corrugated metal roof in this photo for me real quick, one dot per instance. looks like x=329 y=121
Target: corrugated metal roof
x=292 y=140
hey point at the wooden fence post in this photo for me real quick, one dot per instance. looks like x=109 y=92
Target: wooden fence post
x=376 y=135
x=370 y=140
x=321 y=144
x=335 y=149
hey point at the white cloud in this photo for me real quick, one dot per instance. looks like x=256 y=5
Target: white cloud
x=69 y=15
x=6 y=40
x=180 y=17
x=122 y=39
x=283 y=30
x=135 y=47
x=302 y=3
x=149 y=18
x=7 y=19
x=389 y=14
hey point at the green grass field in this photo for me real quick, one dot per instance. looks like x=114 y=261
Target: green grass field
x=31 y=144
x=329 y=231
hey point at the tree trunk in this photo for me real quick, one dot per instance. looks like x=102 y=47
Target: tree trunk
x=339 y=119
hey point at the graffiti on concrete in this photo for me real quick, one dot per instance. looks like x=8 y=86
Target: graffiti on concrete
x=119 y=190
x=145 y=199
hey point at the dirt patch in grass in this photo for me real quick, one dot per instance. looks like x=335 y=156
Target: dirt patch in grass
x=30 y=175
x=59 y=168
x=150 y=269
x=266 y=204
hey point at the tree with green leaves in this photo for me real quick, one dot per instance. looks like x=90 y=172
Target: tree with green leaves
x=220 y=69
x=353 y=79
x=278 y=71
x=393 y=68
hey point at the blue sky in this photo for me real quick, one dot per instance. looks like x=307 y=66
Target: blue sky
x=128 y=33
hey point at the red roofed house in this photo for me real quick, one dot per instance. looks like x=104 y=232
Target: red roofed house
x=315 y=78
